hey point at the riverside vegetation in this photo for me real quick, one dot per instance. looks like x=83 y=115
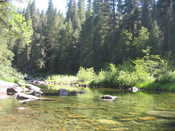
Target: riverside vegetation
x=150 y=73
x=87 y=38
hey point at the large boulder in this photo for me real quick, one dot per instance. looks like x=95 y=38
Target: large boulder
x=34 y=90
x=14 y=90
x=8 y=84
x=9 y=88
x=38 y=83
x=3 y=92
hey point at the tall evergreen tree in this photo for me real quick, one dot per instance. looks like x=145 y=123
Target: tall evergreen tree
x=81 y=10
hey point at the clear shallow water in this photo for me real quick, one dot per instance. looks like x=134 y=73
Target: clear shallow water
x=131 y=112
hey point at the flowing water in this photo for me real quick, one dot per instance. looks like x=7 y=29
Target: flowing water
x=130 y=112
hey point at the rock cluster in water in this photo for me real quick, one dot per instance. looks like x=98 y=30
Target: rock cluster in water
x=29 y=93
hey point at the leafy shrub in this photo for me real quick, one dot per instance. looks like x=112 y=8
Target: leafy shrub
x=145 y=70
x=8 y=73
x=86 y=74
x=127 y=79
x=153 y=65
x=168 y=77
x=106 y=78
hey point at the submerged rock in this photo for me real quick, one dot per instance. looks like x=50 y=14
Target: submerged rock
x=65 y=92
x=110 y=122
x=108 y=97
x=147 y=118
x=163 y=114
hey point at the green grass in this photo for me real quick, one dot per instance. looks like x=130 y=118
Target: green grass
x=62 y=79
x=158 y=86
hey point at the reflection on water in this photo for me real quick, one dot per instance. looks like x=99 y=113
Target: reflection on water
x=131 y=112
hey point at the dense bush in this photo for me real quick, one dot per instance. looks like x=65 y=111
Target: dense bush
x=86 y=74
x=8 y=73
x=106 y=78
x=168 y=77
x=140 y=72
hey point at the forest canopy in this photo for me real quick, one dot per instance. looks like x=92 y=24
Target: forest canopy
x=92 y=33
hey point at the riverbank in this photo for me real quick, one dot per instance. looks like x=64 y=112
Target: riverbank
x=148 y=73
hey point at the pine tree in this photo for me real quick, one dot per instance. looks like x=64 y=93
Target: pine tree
x=147 y=13
x=165 y=21
x=81 y=10
x=89 y=8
